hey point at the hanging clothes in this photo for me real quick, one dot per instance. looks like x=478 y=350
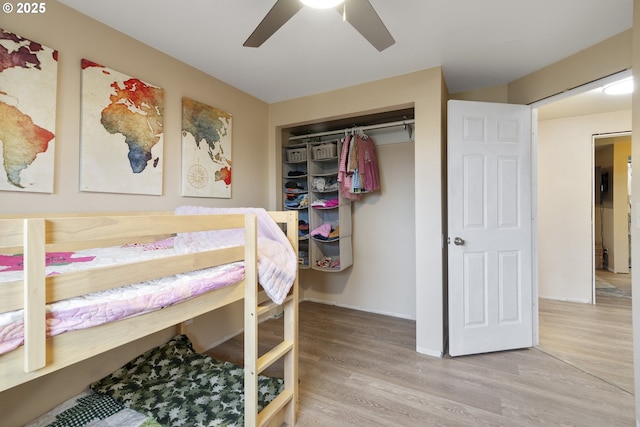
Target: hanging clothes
x=344 y=174
x=368 y=164
x=358 y=171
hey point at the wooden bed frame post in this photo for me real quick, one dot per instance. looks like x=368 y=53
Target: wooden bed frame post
x=251 y=322
x=35 y=356
x=291 y=327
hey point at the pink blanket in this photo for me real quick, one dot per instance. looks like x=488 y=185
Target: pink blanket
x=277 y=262
x=115 y=304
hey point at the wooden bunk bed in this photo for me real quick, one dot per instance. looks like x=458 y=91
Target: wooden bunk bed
x=36 y=236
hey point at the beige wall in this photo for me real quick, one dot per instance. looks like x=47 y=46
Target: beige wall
x=422 y=280
x=75 y=37
x=606 y=58
x=489 y=94
x=565 y=174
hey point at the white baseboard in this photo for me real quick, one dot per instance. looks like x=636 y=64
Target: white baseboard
x=583 y=301
x=429 y=352
x=366 y=310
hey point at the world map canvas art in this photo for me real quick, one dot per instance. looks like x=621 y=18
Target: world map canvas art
x=121 y=133
x=28 y=81
x=206 y=150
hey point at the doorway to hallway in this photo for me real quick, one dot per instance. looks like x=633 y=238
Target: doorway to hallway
x=612 y=218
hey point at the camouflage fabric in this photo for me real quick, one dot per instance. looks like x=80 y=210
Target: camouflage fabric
x=179 y=387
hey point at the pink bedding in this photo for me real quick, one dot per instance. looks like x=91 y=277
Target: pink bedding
x=114 y=304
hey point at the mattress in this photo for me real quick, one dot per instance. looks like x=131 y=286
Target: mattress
x=114 y=304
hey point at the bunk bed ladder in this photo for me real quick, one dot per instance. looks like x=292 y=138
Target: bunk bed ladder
x=287 y=349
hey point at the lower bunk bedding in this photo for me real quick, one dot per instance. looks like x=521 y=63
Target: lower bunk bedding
x=170 y=385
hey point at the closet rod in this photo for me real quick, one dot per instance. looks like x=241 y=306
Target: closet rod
x=364 y=128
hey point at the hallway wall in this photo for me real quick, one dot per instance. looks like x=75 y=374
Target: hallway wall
x=565 y=174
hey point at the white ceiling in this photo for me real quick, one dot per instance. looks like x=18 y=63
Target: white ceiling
x=478 y=43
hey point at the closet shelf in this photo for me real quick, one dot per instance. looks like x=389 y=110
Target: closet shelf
x=319 y=175
x=335 y=239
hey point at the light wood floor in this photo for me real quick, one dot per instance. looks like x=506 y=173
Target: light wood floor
x=620 y=281
x=361 y=369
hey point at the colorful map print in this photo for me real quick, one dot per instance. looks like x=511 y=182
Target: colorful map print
x=122 y=132
x=206 y=150
x=28 y=79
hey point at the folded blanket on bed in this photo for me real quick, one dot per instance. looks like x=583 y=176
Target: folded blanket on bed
x=277 y=262
x=89 y=409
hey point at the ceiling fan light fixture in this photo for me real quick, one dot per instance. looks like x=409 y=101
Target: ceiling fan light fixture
x=322 y=4
x=622 y=87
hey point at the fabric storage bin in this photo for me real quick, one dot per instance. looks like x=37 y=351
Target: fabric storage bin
x=297 y=155
x=325 y=151
x=599 y=257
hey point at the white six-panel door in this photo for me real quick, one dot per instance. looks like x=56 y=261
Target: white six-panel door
x=490 y=227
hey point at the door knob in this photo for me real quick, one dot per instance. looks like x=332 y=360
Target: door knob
x=458 y=241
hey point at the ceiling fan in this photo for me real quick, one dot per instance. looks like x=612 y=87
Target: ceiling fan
x=359 y=13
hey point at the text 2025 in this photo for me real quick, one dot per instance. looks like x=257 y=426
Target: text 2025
x=31 y=7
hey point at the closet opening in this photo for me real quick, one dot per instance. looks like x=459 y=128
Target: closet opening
x=351 y=268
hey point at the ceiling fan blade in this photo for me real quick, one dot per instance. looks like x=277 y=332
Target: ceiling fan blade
x=279 y=14
x=363 y=17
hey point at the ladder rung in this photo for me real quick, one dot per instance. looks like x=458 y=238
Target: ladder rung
x=273 y=355
x=274 y=406
x=270 y=305
x=266 y=307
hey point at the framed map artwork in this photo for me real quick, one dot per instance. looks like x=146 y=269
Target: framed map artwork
x=121 y=133
x=28 y=83
x=206 y=150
